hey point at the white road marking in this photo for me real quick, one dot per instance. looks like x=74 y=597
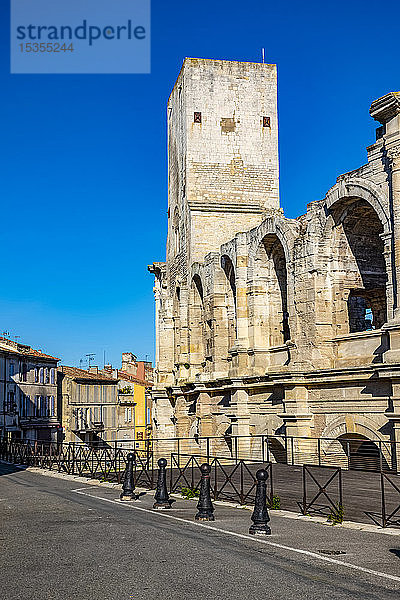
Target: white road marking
x=243 y=536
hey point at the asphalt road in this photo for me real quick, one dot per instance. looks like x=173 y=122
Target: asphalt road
x=65 y=539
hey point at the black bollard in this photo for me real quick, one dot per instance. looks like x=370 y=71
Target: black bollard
x=260 y=516
x=128 y=485
x=161 y=496
x=204 y=504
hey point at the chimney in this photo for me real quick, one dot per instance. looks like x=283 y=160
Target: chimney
x=129 y=364
x=94 y=370
x=108 y=370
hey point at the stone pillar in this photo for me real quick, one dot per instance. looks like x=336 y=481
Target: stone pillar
x=241 y=421
x=164 y=422
x=393 y=327
x=239 y=353
x=386 y=111
x=298 y=423
x=387 y=253
x=394 y=156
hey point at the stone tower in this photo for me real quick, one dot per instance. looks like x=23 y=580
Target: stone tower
x=222 y=153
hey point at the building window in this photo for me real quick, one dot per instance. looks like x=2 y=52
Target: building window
x=266 y=121
x=197 y=117
x=27 y=406
x=24 y=372
x=41 y=375
x=36 y=375
x=38 y=404
x=47 y=375
x=52 y=375
x=148 y=416
x=11 y=369
x=10 y=404
x=52 y=407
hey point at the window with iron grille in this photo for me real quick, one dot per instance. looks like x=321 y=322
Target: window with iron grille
x=197 y=117
x=266 y=121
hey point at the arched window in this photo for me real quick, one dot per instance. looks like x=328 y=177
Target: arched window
x=360 y=264
x=230 y=298
x=270 y=314
x=196 y=323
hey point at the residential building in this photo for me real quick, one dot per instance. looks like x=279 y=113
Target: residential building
x=89 y=405
x=28 y=393
x=134 y=400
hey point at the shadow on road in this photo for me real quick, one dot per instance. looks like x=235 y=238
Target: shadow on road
x=7 y=468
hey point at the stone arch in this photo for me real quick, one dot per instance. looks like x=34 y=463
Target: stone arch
x=363 y=189
x=363 y=453
x=269 y=298
x=282 y=228
x=196 y=325
x=285 y=233
x=228 y=268
x=361 y=275
x=335 y=449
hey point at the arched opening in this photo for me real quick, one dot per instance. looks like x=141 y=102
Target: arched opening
x=230 y=298
x=270 y=313
x=360 y=264
x=196 y=324
x=362 y=453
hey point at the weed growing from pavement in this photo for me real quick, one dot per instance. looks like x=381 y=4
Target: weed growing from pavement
x=188 y=492
x=275 y=503
x=337 y=515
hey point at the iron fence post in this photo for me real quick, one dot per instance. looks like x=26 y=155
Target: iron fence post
x=208 y=449
x=216 y=480
x=348 y=454
x=73 y=458
x=340 y=487
x=383 y=500
x=241 y=483
x=170 y=481
x=179 y=460
x=292 y=449
x=380 y=456
x=262 y=449
x=271 y=481
x=319 y=452
x=304 y=491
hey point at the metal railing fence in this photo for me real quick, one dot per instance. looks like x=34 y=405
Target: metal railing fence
x=232 y=477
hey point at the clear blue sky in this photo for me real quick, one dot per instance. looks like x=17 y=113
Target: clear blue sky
x=83 y=158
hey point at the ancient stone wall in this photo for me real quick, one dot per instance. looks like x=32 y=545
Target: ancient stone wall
x=267 y=324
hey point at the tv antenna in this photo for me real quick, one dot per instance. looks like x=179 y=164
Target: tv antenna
x=263 y=55
x=90 y=357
